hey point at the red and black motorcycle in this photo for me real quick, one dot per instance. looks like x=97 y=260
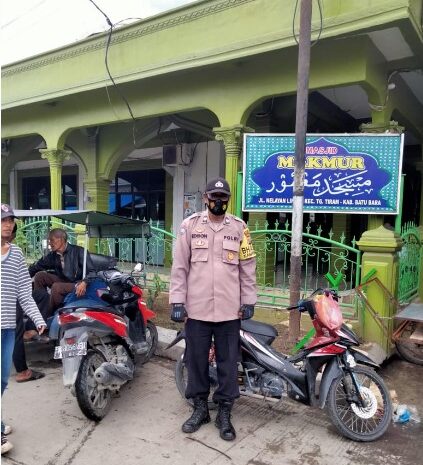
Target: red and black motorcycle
x=102 y=340
x=330 y=371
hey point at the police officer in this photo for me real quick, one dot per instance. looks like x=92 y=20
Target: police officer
x=213 y=286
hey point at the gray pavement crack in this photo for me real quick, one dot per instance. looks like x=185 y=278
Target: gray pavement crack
x=210 y=447
x=84 y=439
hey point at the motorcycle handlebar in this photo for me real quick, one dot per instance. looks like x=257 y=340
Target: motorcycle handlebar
x=292 y=307
x=301 y=306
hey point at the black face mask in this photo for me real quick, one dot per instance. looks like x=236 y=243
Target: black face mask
x=217 y=207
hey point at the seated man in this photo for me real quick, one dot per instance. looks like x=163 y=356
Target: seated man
x=65 y=261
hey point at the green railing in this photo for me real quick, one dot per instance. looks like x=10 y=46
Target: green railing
x=321 y=256
x=32 y=235
x=154 y=252
x=325 y=262
x=409 y=263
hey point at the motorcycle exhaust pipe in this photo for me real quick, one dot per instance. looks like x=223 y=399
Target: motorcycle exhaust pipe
x=259 y=396
x=113 y=373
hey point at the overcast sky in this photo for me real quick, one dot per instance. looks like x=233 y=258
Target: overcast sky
x=29 y=27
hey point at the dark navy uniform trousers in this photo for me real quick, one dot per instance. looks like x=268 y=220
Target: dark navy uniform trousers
x=199 y=335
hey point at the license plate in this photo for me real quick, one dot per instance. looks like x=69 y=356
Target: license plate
x=70 y=350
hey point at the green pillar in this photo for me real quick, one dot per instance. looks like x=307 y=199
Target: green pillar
x=380 y=124
x=96 y=197
x=266 y=251
x=5 y=192
x=55 y=158
x=97 y=194
x=168 y=218
x=232 y=139
x=380 y=247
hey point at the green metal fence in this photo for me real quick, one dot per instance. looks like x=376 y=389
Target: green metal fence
x=325 y=261
x=32 y=235
x=409 y=263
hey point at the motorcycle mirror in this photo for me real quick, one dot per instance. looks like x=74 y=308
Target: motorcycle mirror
x=138 y=268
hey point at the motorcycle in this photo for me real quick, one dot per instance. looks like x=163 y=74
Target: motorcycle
x=100 y=341
x=329 y=372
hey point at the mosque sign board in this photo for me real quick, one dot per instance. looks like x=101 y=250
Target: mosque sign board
x=344 y=173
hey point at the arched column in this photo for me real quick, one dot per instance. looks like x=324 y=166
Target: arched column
x=55 y=158
x=96 y=194
x=232 y=138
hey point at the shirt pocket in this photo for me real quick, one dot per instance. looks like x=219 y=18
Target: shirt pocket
x=230 y=252
x=199 y=250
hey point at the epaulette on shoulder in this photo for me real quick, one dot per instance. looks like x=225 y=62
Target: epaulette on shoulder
x=193 y=216
x=237 y=219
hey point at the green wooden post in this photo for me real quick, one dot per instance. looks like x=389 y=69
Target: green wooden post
x=266 y=251
x=380 y=247
x=398 y=218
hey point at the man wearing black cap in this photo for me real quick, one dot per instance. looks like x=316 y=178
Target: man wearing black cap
x=212 y=287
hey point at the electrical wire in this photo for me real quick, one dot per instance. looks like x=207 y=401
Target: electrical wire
x=106 y=62
x=321 y=23
x=375 y=107
x=293 y=23
x=25 y=13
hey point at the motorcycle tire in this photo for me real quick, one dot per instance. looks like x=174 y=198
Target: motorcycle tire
x=355 y=422
x=152 y=338
x=181 y=378
x=94 y=403
x=410 y=351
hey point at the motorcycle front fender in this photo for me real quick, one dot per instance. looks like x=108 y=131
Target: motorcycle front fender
x=332 y=371
x=361 y=358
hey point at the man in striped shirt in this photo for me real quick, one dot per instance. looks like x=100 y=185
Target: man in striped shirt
x=15 y=286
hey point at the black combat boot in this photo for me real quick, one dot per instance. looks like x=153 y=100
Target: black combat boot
x=199 y=417
x=223 y=420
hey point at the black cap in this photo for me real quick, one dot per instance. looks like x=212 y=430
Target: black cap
x=7 y=211
x=218 y=185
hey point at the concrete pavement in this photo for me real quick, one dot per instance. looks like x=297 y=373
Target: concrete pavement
x=144 y=425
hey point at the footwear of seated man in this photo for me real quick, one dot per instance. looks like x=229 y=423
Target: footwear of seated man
x=30 y=335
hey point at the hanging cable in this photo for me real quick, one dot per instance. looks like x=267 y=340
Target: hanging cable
x=321 y=23
x=106 y=62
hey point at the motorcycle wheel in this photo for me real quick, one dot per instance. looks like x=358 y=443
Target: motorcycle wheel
x=181 y=378
x=93 y=402
x=152 y=339
x=355 y=422
x=410 y=351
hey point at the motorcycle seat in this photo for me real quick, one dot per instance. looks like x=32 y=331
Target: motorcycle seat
x=259 y=328
x=89 y=304
x=86 y=303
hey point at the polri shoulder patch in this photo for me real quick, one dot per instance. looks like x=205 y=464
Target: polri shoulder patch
x=246 y=250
